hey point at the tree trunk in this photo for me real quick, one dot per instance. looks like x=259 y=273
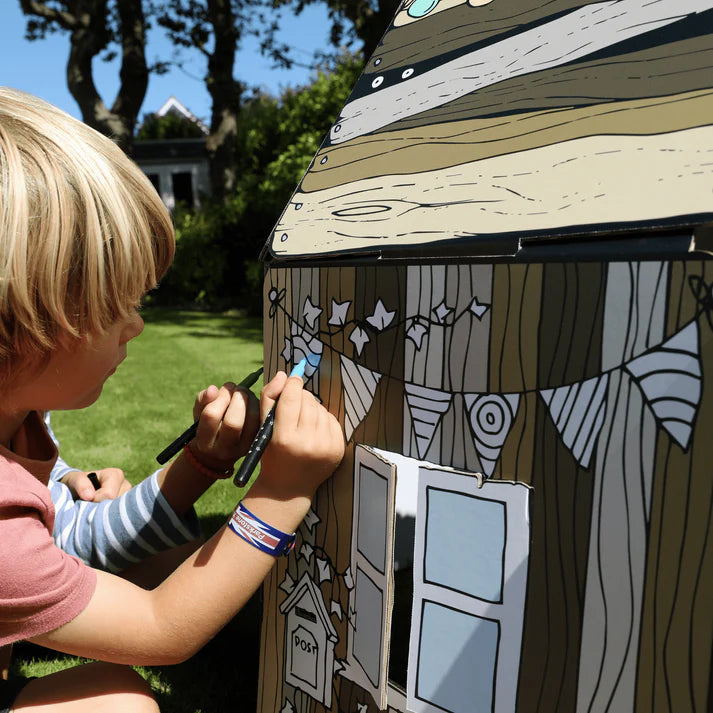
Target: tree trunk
x=87 y=23
x=369 y=23
x=225 y=94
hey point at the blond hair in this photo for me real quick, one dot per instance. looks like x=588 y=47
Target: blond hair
x=83 y=234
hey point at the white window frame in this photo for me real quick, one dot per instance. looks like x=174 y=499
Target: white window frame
x=365 y=457
x=508 y=613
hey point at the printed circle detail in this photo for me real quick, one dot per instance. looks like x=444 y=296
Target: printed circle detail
x=490 y=418
x=377 y=61
x=324 y=159
x=377 y=82
x=283 y=237
x=407 y=73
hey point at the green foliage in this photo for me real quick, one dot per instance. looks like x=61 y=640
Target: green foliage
x=199 y=265
x=297 y=124
x=168 y=126
x=218 y=247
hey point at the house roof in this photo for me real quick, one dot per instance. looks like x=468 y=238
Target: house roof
x=580 y=123
x=169 y=150
x=174 y=106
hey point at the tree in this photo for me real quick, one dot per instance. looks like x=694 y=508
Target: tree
x=94 y=26
x=192 y=24
x=217 y=247
x=362 y=20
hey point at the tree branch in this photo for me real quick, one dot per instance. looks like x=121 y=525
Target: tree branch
x=66 y=20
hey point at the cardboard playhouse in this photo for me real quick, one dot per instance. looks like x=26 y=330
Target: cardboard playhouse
x=502 y=253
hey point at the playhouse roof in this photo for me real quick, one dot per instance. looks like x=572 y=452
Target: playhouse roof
x=476 y=125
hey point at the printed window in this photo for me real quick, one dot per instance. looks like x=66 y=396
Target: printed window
x=372 y=573
x=470 y=576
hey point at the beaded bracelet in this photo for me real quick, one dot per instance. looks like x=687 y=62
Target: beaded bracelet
x=259 y=534
x=204 y=469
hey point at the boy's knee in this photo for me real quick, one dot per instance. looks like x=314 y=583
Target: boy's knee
x=133 y=693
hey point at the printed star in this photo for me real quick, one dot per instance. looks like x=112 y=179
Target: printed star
x=359 y=338
x=336 y=608
x=287 y=351
x=361 y=708
x=311 y=519
x=287 y=584
x=339 y=666
x=311 y=312
x=478 y=309
x=348 y=581
x=416 y=333
x=323 y=570
x=339 y=312
x=381 y=317
x=306 y=551
x=442 y=312
x=287 y=708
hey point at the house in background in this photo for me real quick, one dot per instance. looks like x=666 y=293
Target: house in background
x=178 y=167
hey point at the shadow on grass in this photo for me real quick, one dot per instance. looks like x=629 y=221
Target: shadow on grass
x=206 y=324
x=221 y=678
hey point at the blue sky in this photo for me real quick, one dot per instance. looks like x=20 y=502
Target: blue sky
x=39 y=67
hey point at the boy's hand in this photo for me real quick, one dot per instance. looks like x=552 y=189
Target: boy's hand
x=228 y=419
x=112 y=481
x=307 y=442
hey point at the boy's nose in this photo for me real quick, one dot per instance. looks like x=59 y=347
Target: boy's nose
x=133 y=328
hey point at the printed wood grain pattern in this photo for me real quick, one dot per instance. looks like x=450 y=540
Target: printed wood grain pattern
x=557 y=41
x=459 y=27
x=441 y=144
x=623 y=472
x=517 y=296
x=632 y=179
x=672 y=67
x=569 y=337
x=677 y=621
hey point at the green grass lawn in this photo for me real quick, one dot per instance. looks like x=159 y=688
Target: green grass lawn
x=143 y=407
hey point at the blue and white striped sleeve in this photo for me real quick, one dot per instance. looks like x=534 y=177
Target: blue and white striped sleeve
x=114 y=534
x=60 y=467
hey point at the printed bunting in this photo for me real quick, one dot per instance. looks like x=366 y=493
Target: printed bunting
x=669 y=376
x=490 y=418
x=426 y=407
x=359 y=388
x=578 y=413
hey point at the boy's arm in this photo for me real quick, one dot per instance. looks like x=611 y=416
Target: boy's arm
x=115 y=534
x=158 y=513
x=125 y=624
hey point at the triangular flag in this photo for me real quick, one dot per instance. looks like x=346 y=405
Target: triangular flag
x=578 y=413
x=490 y=417
x=359 y=389
x=670 y=378
x=427 y=407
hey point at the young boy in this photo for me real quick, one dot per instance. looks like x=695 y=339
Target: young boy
x=82 y=237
